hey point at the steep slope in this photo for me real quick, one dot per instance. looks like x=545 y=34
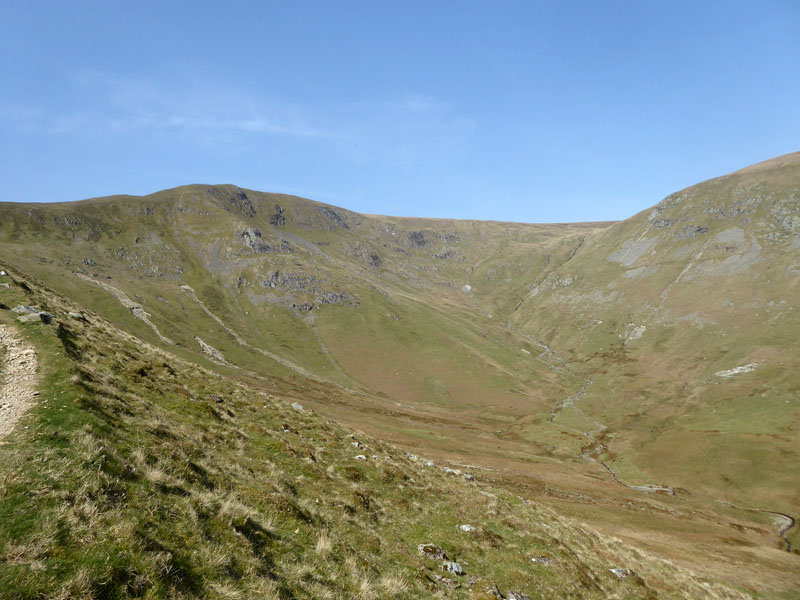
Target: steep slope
x=138 y=474
x=282 y=258
x=685 y=319
x=273 y=284
x=638 y=376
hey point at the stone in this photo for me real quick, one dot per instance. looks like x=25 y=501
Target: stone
x=361 y=457
x=466 y=289
x=453 y=567
x=691 y=231
x=431 y=551
x=451 y=583
x=338 y=298
x=297 y=406
x=417 y=238
x=518 y=596
x=494 y=591
x=336 y=217
x=622 y=573
x=467 y=528
x=277 y=218
x=727 y=374
x=78 y=316
x=240 y=201
x=252 y=239
x=469 y=476
x=302 y=307
x=23 y=309
x=445 y=254
x=210 y=351
x=39 y=316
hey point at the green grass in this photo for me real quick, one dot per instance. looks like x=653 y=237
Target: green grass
x=130 y=480
x=434 y=371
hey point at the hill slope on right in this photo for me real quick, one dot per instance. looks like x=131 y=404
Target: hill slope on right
x=683 y=320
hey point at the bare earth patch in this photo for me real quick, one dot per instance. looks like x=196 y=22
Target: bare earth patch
x=17 y=381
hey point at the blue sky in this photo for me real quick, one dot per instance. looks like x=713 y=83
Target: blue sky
x=525 y=111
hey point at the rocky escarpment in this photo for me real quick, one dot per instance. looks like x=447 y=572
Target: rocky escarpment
x=302 y=291
x=253 y=240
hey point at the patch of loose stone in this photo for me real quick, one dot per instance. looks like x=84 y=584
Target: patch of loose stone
x=17 y=386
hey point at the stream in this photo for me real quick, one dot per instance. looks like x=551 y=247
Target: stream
x=788 y=524
x=784 y=522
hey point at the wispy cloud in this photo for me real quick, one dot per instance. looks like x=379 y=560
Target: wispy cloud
x=117 y=105
x=412 y=129
x=424 y=103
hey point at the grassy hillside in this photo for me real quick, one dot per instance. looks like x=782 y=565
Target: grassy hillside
x=662 y=306
x=284 y=286
x=139 y=474
x=639 y=377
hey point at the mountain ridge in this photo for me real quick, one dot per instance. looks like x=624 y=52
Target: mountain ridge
x=229 y=186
